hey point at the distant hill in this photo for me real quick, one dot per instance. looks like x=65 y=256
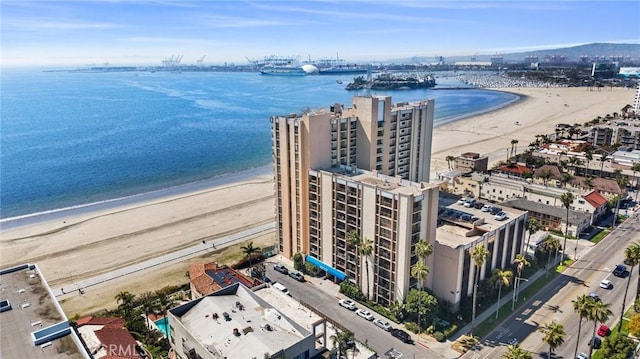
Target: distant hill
x=572 y=54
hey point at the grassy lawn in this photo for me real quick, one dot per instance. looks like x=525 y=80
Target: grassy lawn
x=598 y=237
x=490 y=323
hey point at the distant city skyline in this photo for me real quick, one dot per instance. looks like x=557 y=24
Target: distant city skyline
x=94 y=32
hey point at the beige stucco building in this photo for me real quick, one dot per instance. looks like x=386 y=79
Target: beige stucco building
x=460 y=230
x=393 y=213
x=374 y=134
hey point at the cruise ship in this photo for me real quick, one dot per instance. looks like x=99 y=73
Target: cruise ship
x=283 y=70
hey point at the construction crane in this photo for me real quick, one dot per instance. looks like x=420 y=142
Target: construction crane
x=199 y=61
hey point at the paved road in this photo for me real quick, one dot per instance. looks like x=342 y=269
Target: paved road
x=86 y=284
x=553 y=302
x=365 y=331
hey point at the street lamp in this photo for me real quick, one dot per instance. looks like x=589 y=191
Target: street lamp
x=515 y=291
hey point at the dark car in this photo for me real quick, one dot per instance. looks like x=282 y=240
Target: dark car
x=595 y=342
x=402 y=335
x=620 y=270
x=297 y=276
x=280 y=268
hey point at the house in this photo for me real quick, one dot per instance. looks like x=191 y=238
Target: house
x=206 y=278
x=107 y=338
x=472 y=162
x=514 y=169
x=553 y=218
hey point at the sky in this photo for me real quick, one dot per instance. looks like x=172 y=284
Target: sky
x=145 y=32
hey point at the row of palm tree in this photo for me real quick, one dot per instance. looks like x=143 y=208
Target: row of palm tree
x=595 y=310
x=364 y=247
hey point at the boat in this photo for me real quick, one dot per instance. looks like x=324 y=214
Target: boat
x=283 y=70
x=392 y=82
x=343 y=70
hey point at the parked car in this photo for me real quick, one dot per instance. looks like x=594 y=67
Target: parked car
x=581 y=356
x=470 y=202
x=402 y=335
x=346 y=303
x=595 y=342
x=603 y=330
x=281 y=288
x=266 y=279
x=382 y=324
x=297 y=276
x=620 y=270
x=280 y=268
x=495 y=210
x=594 y=296
x=364 y=314
x=461 y=201
x=606 y=284
x=486 y=208
x=500 y=216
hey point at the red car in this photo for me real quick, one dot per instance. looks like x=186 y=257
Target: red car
x=603 y=331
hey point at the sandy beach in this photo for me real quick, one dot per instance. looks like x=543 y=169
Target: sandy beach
x=83 y=244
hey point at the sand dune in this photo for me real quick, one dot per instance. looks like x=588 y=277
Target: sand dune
x=83 y=245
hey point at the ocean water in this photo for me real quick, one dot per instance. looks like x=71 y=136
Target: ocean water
x=70 y=138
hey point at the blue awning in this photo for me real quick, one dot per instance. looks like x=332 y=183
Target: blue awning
x=325 y=267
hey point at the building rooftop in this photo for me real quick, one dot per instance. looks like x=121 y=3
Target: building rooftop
x=209 y=277
x=33 y=308
x=236 y=323
x=383 y=182
x=461 y=225
x=558 y=212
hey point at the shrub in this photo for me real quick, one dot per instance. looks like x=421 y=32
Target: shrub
x=298 y=264
x=351 y=290
x=450 y=330
x=412 y=326
x=439 y=336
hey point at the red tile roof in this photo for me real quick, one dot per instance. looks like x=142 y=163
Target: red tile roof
x=595 y=199
x=110 y=321
x=515 y=169
x=118 y=343
x=202 y=277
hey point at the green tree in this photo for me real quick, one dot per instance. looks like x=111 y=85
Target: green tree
x=366 y=250
x=553 y=335
x=422 y=305
x=588 y=155
x=599 y=312
x=125 y=304
x=636 y=168
x=588 y=181
x=397 y=309
x=532 y=227
x=515 y=352
x=582 y=306
x=519 y=262
x=165 y=302
x=501 y=278
x=249 y=252
x=634 y=325
x=617 y=346
x=340 y=341
x=632 y=258
x=566 y=199
x=551 y=243
x=420 y=272
x=149 y=305
x=423 y=249
x=298 y=263
x=479 y=255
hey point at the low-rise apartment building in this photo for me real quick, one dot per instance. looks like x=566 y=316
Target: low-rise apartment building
x=460 y=230
x=472 y=162
x=235 y=322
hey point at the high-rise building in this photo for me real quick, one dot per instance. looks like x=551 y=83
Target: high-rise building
x=373 y=134
x=389 y=213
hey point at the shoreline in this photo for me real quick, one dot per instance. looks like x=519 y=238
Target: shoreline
x=193 y=187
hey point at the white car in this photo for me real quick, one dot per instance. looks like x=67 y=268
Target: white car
x=346 y=303
x=383 y=324
x=581 y=356
x=500 y=216
x=364 y=314
x=486 y=208
x=606 y=284
x=462 y=201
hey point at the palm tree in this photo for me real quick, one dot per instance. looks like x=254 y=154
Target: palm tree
x=603 y=159
x=520 y=262
x=515 y=352
x=165 y=302
x=632 y=257
x=582 y=306
x=501 y=278
x=423 y=249
x=125 y=300
x=340 y=340
x=566 y=199
x=420 y=272
x=599 y=312
x=450 y=159
x=588 y=181
x=479 y=255
x=545 y=175
x=366 y=249
x=553 y=335
x=551 y=244
x=249 y=250
x=532 y=226
x=514 y=142
x=149 y=305
x=588 y=154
